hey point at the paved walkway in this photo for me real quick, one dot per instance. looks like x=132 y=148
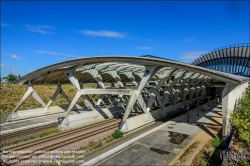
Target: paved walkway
x=166 y=145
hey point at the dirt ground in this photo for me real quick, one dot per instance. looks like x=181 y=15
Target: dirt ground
x=187 y=155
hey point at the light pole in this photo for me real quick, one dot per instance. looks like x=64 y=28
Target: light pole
x=187 y=113
x=198 y=105
x=208 y=103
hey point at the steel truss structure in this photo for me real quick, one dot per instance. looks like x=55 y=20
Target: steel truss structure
x=234 y=59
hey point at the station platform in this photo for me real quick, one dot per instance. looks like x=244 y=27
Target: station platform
x=164 y=144
x=39 y=120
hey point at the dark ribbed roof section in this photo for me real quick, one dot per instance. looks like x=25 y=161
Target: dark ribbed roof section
x=234 y=59
x=152 y=56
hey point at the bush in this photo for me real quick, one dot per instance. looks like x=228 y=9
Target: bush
x=117 y=134
x=243 y=163
x=202 y=163
x=240 y=117
x=216 y=142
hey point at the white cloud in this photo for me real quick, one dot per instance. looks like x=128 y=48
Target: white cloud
x=48 y=52
x=43 y=29
x=15 y=57
x=189 y=39
x=103 y=33
x=5 y=25
x=189 y=57
x=2 y=65
x=144 y=48
x=54 y=53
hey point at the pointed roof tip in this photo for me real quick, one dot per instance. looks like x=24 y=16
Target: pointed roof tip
x=152 y=56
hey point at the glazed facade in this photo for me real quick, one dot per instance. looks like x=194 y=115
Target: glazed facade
x=233 y=59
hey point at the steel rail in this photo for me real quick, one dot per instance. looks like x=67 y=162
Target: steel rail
x=61 y=144
x=48 y=138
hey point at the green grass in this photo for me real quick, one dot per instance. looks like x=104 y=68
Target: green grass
x=29 y=137
x=216 y=142
x=49 y=132
x=9 y=99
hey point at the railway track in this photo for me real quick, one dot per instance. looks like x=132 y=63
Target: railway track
x=44 y=144
x=14 y=134
x=73 y=136
x=96 y=152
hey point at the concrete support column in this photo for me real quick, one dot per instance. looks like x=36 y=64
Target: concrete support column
x=129 y=107
x=197 y=91
x=183 y=89
x=176 y=93
x=191 y=90
x=191 y=84
x=155 y=90
x=58 y=91
x=203 y=90
x=166 y=96
x=130 y=76
x=184 y=95
x=73 y=79
x=230 y=94
x=115 y=76
x=87 y=100
x=96 y=75
x=29 y=92
x=142 y=103
x=149 y=72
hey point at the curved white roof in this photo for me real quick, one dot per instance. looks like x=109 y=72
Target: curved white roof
x=109 y=66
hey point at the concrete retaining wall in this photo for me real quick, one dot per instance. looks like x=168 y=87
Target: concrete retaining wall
x=24 y=114
x=88 y=117
x=140 y=120
x=32 y=113
x=230 y=95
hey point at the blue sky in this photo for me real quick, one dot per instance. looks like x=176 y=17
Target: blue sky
x=37 y=34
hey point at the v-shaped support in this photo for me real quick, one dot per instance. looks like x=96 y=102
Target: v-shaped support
x=58 y=91
x=29 y=92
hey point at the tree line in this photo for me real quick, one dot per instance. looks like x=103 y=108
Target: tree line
x=12 y=77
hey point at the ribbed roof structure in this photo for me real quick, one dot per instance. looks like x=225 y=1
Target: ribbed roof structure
x=233 y=59
x=108 y=67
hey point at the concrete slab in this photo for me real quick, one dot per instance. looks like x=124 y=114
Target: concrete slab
x=28 y=122
x=36 y=120
x=163 y=145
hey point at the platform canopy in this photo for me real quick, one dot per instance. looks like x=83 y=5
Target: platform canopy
x=143 y=84
x=118 y=69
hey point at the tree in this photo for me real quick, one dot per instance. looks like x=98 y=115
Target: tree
x=11 y=78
